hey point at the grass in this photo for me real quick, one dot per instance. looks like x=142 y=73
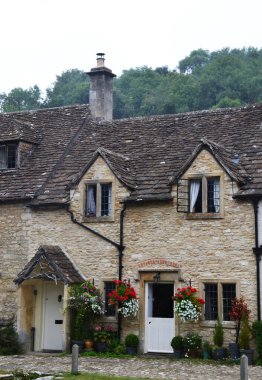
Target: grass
x=96 y=376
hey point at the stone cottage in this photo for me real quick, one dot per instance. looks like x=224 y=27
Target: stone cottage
x=162 y=201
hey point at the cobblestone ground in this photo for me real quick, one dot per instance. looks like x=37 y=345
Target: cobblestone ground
x=148 y=368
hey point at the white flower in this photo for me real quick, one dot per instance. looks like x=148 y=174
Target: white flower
x=187 y=311
x=129 y=308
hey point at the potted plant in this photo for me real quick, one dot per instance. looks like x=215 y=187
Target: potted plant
x=124 y=296
x=238 y=312
x=188 y=306
x=218 y=337
x=244 y=341
x=103 y=336
x=131 y=343
x=192 y=345
x=76 y=330
x=177 y=343
x=207 y=350
x=257 y=334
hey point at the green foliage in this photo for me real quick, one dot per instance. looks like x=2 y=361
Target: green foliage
x=257 y=333
x=177 y=342
x=120 y=349
x=192 y=341
x=9 y=341
x=204 y=80
x=244 y=336
x=218 y=335
x=131 y=340
x=207 y=347
x=71 y=87
x=21 y=100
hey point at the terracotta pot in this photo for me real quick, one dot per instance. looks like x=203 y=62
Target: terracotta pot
x=88 y=344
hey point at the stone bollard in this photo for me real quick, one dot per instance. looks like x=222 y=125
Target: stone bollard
x=243 y=368
x=75 y=351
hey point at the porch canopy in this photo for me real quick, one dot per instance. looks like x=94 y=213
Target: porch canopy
x=50 y=263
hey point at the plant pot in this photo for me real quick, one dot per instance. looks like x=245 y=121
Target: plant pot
x=131 y=350
x=88 y=344
x=249 y=353
x=178 y=354
x=101 y=347
x=219 y=354
x=206 y=354
x=233 y=350
x=79 y=342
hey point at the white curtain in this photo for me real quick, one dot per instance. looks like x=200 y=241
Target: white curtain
x=194 y=190
x=91 y=201
x=2 y=157
x=216 y=195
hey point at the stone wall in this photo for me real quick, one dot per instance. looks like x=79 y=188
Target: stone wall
x=156 y=237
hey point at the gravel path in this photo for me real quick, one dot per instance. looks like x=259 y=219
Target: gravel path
x=148 y=368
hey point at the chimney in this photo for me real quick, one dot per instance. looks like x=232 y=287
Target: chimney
x=101 y=89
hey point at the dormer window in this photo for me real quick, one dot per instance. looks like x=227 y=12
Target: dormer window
x=99 y=200
x=200 y=197
x=8 y=156
x=204 y=195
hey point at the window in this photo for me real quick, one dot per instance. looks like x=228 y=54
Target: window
x=99 y=199
x=218 y=300
x=110 y=310
x=8 y=156
x=204 y=195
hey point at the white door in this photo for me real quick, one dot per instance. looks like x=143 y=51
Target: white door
x=53 y=317
x=159 y=318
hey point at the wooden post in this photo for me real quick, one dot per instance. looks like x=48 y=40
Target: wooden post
x=75 y=351
x=243 y=368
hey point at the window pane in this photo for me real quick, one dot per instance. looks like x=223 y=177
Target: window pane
x=105 y=199
x=213 y=195
x=229 y=293
x=195 y=195
x=110 y=310
x=11 y=156
x=211 y=302
x=91 y=200
x=2 y=157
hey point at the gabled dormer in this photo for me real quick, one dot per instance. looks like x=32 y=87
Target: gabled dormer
x=16 y=143
x=201 y=180
x=102 y=185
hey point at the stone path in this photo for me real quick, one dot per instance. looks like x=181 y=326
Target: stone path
x=148 y=368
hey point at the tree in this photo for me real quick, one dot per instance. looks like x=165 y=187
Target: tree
x=20 y=100
x=71 y=87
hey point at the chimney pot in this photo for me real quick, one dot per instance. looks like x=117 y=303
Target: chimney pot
x=100 y=59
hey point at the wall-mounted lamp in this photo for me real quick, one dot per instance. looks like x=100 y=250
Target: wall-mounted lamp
x=156 y=277
x=35 y=292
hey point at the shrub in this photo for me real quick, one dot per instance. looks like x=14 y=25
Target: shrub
x=177 y=343
x=131 y=340
x=9 y=341
x=207 y=346
x=192 y=341
x=218 y=335
x=244 y=336
x=257 y=333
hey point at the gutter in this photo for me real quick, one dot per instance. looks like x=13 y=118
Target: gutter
x=258 y=252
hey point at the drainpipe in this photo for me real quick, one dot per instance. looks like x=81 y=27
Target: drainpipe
x=257 y=251
x=120 y=263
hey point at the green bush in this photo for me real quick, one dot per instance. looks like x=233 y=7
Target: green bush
x=244 y=336
x=218 y=335
x=192 y=341
x=177 y=343
x=9 y=341
x=257 y=333
x=131 y=340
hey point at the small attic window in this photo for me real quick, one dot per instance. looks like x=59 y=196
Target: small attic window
x=8 y=156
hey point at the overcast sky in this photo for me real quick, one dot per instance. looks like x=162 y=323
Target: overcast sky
x=42 y=38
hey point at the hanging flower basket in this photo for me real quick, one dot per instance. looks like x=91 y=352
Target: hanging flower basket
x=187 y=305
x=124 y=296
